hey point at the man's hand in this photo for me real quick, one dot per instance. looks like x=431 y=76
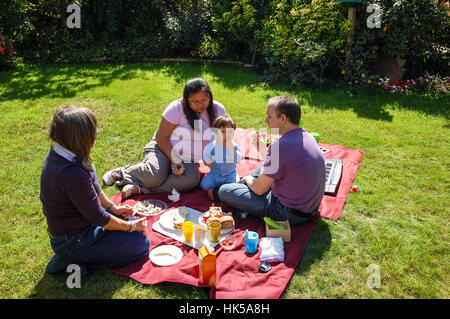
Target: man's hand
x=245 y=179
x=258 y=185
x=258 y=142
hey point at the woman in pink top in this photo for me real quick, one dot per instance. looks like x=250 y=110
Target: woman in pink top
x=171 y=158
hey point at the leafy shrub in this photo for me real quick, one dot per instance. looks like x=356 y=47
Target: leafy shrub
x=302 y=37
x=235 y=28
x=414 y=30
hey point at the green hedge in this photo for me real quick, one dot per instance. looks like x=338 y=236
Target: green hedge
x=290 y=40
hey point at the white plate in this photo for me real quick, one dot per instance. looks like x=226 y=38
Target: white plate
x=159 y=257
x=146 y=202
x=166 y=219
x=225 y=231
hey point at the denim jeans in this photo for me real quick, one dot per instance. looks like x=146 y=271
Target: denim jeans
x=96 y=248
x=241 y=197
x=212 y=180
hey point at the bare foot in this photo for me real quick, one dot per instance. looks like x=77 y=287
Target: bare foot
x=130 y=190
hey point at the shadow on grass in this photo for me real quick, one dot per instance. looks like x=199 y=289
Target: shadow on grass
x=106 y=284
x=66 y=81
x=376 y=105
x=319 y=243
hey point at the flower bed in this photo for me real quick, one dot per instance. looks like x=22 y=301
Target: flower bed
x=6 y=53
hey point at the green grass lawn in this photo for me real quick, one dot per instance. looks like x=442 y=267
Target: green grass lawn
x=399 y=220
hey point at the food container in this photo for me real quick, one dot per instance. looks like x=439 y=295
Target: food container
x=207 y=266
x=283 y=233
x=229 y=242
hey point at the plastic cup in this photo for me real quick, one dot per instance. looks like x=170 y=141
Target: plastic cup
x=251 y=242
x=199 y=233
x=188 y=231
x=316 y=136
x=214 y=231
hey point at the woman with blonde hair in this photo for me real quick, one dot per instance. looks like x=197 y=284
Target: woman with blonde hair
x=84 y=225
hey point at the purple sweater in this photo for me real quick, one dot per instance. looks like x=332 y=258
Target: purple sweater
x=297 y=165
x=69 y=196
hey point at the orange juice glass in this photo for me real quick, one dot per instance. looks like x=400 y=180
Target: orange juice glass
x=188 y=231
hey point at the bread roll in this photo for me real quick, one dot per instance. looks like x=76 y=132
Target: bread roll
x=226 y=222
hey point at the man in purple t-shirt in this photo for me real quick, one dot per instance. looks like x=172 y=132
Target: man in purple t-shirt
x=291 y=182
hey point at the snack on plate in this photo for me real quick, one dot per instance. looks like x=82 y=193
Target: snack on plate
x=147 y=209
x=181 y=213
x=215 y=211
x=166 y=253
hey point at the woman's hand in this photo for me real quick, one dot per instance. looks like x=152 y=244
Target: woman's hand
x=178 y=168
x=141 y=224
x=125 y=211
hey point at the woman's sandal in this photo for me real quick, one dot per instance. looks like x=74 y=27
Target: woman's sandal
x=130 y=190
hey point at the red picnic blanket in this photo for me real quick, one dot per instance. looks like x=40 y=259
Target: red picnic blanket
x=237 y=275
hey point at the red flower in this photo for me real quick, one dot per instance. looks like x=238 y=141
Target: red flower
x=400 y=83
x=11 y=49
x=6 y=48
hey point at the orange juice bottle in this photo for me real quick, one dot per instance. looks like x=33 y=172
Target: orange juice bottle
x=207 y=266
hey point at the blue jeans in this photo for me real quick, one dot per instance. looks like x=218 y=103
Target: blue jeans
x=212 y=180
x=96 y=248
x=241 y=197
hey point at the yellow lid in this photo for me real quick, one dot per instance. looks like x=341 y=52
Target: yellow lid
x=206 y=251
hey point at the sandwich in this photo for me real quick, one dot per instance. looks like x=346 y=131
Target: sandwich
x=226 y=222
x=181 y=213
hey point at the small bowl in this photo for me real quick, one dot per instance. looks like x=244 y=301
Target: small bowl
x=229 y=242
